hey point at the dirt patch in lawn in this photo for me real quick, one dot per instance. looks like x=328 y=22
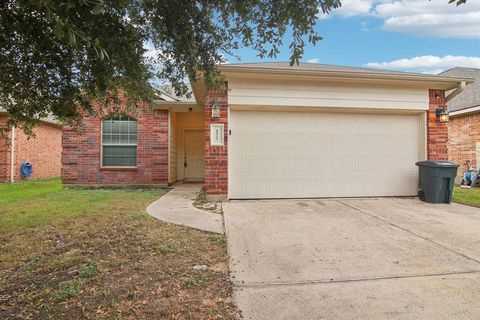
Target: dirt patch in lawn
x=118 y=264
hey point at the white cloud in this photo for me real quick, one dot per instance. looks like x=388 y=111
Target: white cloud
x=352 y=8
x=425 y=18
x=431 y=19
x=428 y=64
x=315 y=60
x=437 y=25
x=390 y=8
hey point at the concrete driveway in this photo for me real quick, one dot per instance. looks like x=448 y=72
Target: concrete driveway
x=383 y=258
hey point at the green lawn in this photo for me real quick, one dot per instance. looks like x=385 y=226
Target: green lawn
x=71 y=253
x=467 y=196
x=33 y=203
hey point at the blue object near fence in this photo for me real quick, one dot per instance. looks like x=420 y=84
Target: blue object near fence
x=26 y=169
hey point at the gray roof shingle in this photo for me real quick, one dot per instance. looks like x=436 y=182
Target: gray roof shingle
x=317 y=66
x=49 y=118
x=170 y=92
x=470 y=96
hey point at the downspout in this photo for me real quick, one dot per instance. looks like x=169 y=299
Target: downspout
x=168 y=145
x=459 y=89
x=12 y=157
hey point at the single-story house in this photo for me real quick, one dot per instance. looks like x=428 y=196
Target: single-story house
x=306 y=131
x=464 y=125
x=43 y=151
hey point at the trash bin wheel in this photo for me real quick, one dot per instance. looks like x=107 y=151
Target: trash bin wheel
x=421 y=195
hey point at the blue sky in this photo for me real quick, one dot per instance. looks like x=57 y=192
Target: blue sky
x=407 y=35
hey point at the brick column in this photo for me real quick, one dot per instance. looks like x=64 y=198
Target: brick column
x=437 y=133
x=216 y=157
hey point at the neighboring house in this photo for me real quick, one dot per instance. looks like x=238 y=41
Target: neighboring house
x=43 y=151
x=464 y=124
x=277 y=132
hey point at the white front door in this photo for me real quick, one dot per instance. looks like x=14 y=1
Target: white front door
x=194 y=157
x=315 y=154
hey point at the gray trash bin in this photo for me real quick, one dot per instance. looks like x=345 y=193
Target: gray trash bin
x=436 y=179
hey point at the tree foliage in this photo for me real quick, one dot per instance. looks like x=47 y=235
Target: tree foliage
x=458 y=2
x=57 y=56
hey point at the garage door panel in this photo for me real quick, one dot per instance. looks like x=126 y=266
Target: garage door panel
x=324 y=142
x=328 y=186
x=308 y=154
x=320 y=164
x=310 y=121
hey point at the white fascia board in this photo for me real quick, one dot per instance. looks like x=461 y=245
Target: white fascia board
x=464 y=111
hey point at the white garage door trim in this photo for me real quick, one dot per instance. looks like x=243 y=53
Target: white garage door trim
x=380 y=174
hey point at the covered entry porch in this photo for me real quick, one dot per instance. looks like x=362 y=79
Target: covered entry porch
x=186 y=142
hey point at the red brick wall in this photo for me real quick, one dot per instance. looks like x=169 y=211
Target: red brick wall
x=43 y=151
x=216 y=157
x=437 y=133
x=463 y=135
x=82 y=151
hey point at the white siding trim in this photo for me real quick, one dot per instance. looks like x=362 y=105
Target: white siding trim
x=325 y=94
x=464 y=111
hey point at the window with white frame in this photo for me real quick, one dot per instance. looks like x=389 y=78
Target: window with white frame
x=119 y=141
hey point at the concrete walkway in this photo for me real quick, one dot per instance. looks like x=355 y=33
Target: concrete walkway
x=176 y=207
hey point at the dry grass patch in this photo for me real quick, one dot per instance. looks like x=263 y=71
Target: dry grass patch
x=105 y=260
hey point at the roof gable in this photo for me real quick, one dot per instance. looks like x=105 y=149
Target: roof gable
x=167 y=93
x=470 y=96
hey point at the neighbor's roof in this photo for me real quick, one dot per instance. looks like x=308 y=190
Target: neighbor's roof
x=166 y=93
x=48 y=119
x=470 y=96
x=327 y=70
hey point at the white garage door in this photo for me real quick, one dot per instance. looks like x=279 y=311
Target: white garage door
x=280 y=154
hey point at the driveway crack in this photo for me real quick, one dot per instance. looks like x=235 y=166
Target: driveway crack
x=311 y=282
x=409 y=231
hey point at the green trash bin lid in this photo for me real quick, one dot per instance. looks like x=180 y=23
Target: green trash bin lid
x=437 y=164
